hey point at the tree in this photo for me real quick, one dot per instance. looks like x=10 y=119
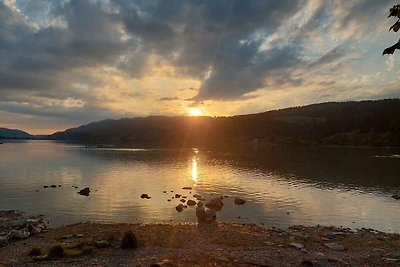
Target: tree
x=394 y=12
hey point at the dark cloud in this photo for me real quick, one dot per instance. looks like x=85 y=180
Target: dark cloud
x=169 y=98
x=50 y=50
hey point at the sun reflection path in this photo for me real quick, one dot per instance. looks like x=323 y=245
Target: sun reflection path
x=194 y=170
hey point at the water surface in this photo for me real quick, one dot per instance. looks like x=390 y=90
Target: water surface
x=283 y=185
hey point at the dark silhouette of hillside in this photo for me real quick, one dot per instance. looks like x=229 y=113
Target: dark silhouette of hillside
x=369 y=123
x=6 y=133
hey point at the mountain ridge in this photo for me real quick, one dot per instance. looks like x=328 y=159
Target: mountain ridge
x=6 y=133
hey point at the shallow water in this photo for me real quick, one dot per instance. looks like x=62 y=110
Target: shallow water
x=283 y=185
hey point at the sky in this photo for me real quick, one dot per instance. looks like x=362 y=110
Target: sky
x=64 y=63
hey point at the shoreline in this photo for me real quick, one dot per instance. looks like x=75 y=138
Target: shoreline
x=204 y=244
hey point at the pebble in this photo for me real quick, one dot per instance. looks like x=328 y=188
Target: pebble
x=177 y=195
x=187 y=188
x=335 y=246
x=18 y=223
x=102 y=244
x=239 y=201
x=31 y=222
x=297 y=245
x=191 y=202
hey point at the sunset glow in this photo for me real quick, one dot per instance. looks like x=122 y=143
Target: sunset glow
x=195 y=112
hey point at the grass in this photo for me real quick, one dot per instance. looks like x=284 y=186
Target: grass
x=129 y=241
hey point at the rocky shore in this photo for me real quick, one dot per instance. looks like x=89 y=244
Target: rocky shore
x=194 y=244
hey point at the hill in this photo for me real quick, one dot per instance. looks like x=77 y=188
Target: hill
x=6 y=133
x=371 y=123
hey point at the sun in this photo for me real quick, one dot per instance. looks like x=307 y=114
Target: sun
x=194 y=112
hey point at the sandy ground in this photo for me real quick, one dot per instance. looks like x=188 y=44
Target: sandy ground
x=218 y=244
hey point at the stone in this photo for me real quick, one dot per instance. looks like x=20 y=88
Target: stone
x=197 y=196
x=328 y=233
x=101 y=244
x=335 y=246
x=239 y=201
x=177 y=195
x=297 y=245
x=45 y=186
x=84 y=192
x=31 y=222
x=397 y=196
x=164 y=263
x=215 y=204
x=187 y=188
x=301 y=236
x=18 y=234
x=3 y=241
x=67 y=236
x=53 y=186
x=183 y=200
x=211 y=216
x=18 y=223
x=34 y=230
x=201 y=214
x=191 y=202
x=200 y=203
x=179 y=208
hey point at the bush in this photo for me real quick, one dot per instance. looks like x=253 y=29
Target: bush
x=35 y=252
x=56 y=252
x=129 y=241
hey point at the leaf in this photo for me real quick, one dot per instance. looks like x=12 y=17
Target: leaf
x=395 y=27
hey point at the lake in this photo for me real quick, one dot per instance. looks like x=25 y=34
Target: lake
x=282 y=185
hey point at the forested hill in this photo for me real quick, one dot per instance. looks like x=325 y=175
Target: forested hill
x=14 y=134
x=371 y=123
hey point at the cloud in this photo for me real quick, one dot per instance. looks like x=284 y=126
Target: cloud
x=64 y=59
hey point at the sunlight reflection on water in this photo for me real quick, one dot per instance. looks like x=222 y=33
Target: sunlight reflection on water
x=284 y=186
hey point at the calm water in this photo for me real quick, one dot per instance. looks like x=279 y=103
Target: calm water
x=282 y=185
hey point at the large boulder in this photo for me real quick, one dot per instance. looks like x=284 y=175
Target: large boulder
x=205 y=216
x=215 y=203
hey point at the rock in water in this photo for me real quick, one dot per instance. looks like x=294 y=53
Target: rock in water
x=179 y=208
x=335 y=246
x=211 y=216
x=187 y=188
x=84 y=192
x=177 y=195
x=205 y=216
x=397 y=197
x=129 y=241
x=191 y=202
x=200 y=203
x=215 y=204
x=144 y=196
x=201 y=214
x=239 y=201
